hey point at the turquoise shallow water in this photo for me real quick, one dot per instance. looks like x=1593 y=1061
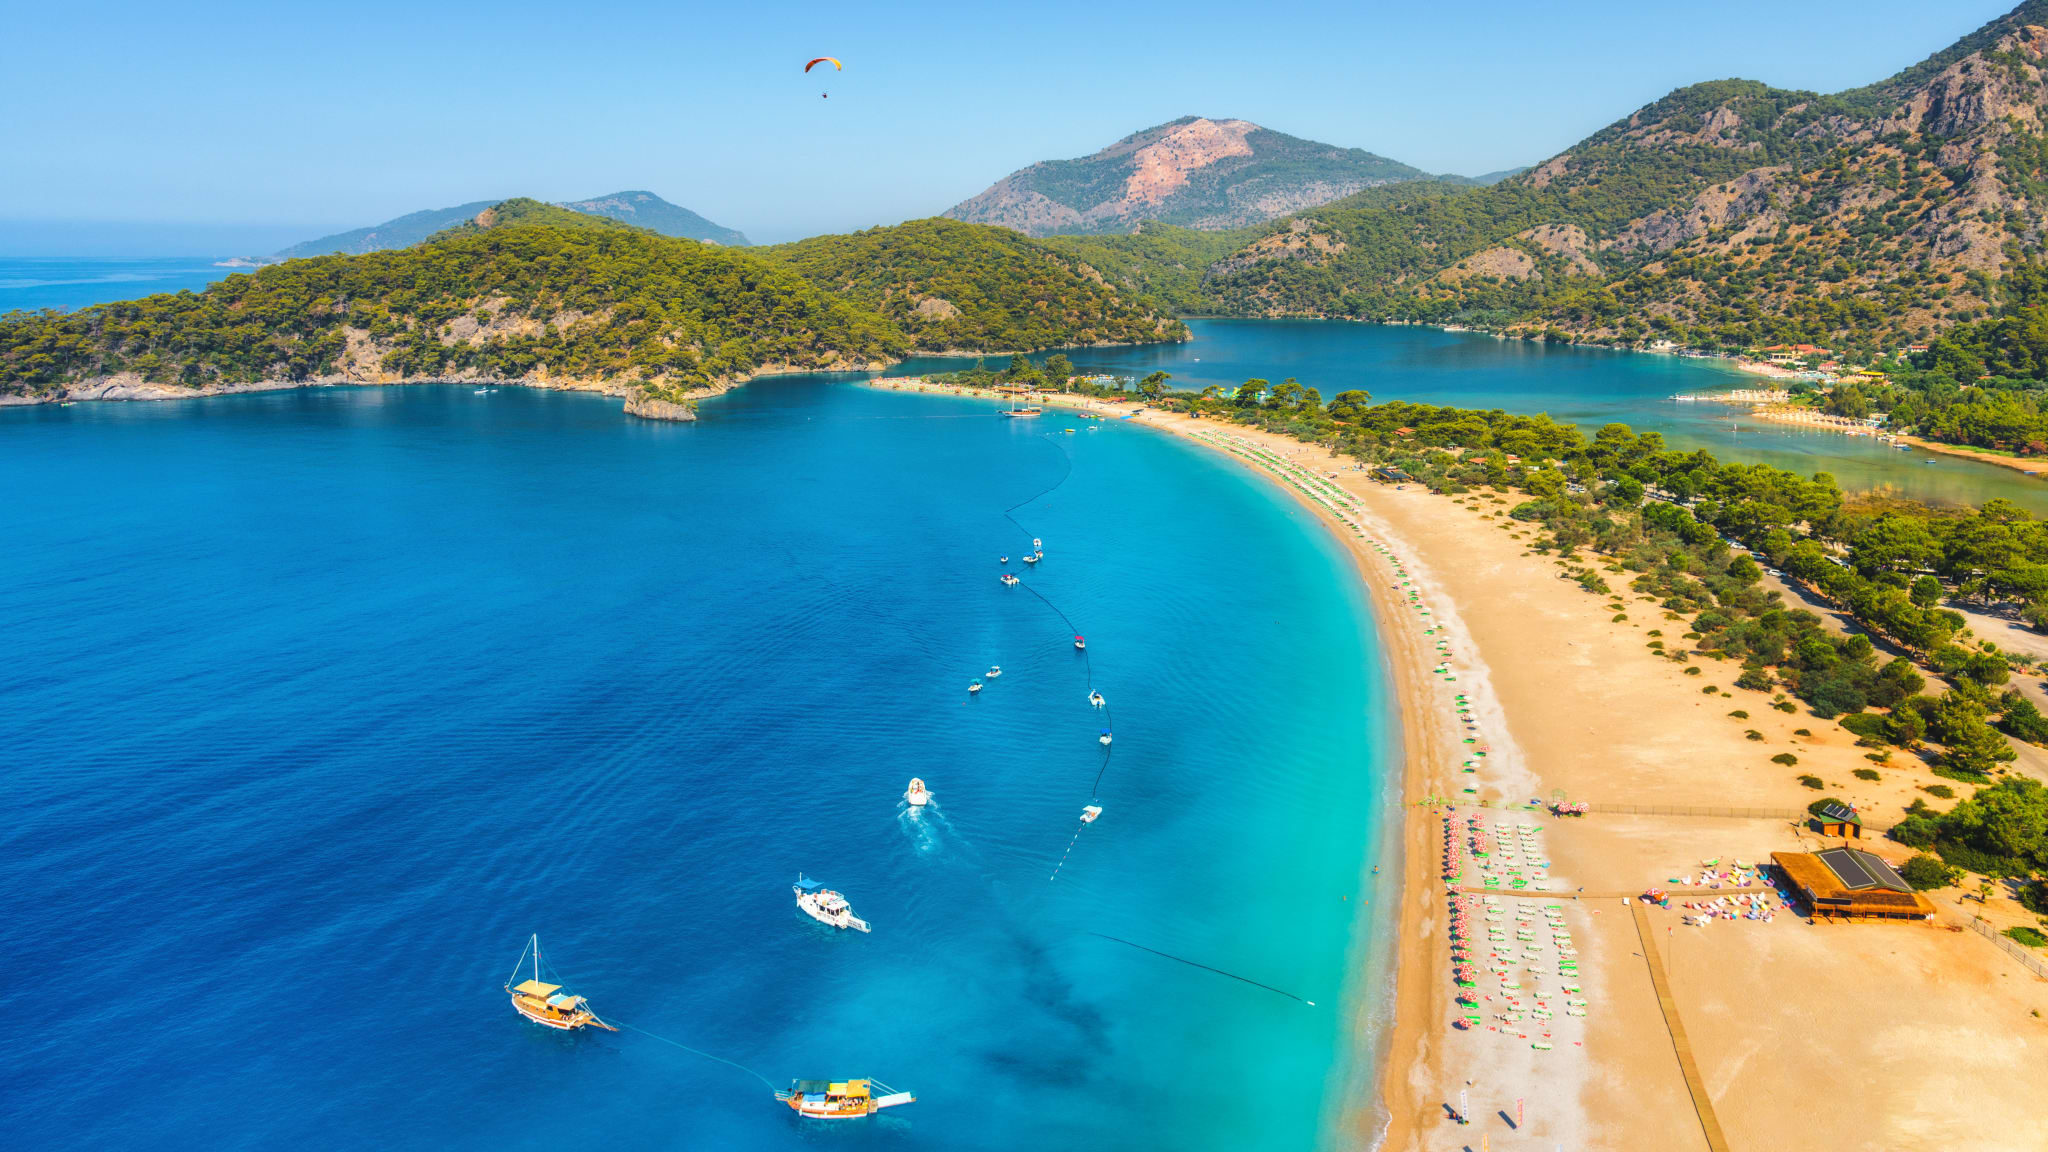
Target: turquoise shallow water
x=1586 y=386
x=317 y=703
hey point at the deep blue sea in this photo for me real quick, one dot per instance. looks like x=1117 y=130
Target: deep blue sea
x=30 y=282
x=318 y=703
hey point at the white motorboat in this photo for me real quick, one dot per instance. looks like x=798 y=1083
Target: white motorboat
x=1037 y=543
x=918 y=795
x=1104 y=738
x=824 y=905
x=1010 y=578
x=1089 y=813
x=1002 y=559
x=994 y=670
x=973 y=686
x=1080 y=644
x=1095 y=699
x=1031 y=559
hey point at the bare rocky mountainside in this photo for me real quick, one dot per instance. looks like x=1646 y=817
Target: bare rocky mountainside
x=1195 y=172
x=1726 y=214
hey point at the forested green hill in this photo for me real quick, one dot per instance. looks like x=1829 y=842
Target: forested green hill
x=1725 y=215
x=956 y=286
x=528 y=291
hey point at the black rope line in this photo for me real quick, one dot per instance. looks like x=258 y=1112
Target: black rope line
x=1087 y=661
x=1206 y=968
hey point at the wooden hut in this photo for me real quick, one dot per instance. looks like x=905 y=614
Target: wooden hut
x=1851 y=884
x=1838 y=819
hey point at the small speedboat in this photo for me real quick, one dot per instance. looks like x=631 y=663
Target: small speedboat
x=994 y=670
x=1104 y=738
x=973 y=686
x=1002 y=559
x=1031 y=559
x=1010 y=578
x=824 y=905
x=1037 y=543
x=1089 y=813
x=1080 y=645
x=1095 y=699
x=918 y=795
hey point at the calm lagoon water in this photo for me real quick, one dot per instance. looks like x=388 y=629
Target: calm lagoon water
x=65 y=282
x=317 y=703
x=1586 y=386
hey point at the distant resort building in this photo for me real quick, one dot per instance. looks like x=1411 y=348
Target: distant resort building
x=1792 y=353
x=1851 y=884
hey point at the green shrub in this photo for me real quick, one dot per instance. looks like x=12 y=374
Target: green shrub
x=1803 y=732
x=1754 y=679
x=2031 y=937
x=2033 y=896
x=1753 y=734
x=1788 y=760
x=1814 y=808
x=1619 y=617
x=1709 y=690
x=1866 y=724
x=1739 y=714
x=1916 y=831
x=1866 y=774
x=1941 y=790
x=1925 y=872
x=1786 y=706
x=2022 y=721
x=1690 y=671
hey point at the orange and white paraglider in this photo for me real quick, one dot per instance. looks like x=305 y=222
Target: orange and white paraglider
x=833 y=61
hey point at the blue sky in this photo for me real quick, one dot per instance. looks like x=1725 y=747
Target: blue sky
x=216 y=128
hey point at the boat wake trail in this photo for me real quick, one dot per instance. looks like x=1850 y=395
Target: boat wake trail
x=1206 y=968
x=928 y=830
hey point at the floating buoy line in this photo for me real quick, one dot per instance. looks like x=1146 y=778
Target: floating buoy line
x=1093 y=809
x=1206 y=968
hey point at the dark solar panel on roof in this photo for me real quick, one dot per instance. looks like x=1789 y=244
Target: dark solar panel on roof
x=1859 y=870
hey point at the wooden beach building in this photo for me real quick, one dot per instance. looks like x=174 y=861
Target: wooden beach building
x=1851 y=884
x=1838 y=819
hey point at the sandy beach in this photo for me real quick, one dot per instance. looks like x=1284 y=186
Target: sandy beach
x=1878 y=1036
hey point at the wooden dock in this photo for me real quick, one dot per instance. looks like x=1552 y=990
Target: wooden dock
x=1709 y=1124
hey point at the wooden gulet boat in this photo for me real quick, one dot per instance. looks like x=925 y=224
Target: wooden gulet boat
x=841 y=1100
x=547 y=1004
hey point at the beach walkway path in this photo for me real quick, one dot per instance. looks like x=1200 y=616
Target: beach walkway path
x=1536 y=894
x=1716 y=1140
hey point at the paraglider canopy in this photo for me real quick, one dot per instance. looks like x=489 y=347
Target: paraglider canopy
x=832 y=60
